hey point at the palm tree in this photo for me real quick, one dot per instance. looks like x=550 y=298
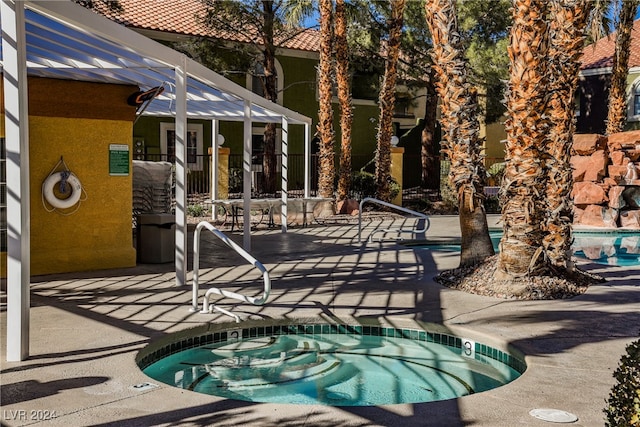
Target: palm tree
x=344 y=96
x=617 y=115
x=387 y=100
x=523 y=209
x=460 y=129
x=325 y=115
x=568 y=20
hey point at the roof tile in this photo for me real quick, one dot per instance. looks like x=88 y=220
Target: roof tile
x=184 y=17
x=600 y=54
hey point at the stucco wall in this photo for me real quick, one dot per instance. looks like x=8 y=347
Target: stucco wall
x=78 y=121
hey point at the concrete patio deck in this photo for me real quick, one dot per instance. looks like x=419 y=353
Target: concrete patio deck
x=86 y=329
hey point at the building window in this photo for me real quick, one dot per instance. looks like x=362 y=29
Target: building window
x=636 y=101
x=254 y=80
x=194 y=144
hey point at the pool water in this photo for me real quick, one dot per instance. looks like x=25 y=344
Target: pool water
x=338 y=369
x=619 y=248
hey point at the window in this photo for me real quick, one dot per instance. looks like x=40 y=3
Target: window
x=194 y=144
x=633 y=102
x=254 y=81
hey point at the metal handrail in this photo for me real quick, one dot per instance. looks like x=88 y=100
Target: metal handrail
x=398 y=208
x=206 y=308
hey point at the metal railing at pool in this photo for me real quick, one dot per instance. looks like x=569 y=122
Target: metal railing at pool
x=389 y=230
x=206 y=307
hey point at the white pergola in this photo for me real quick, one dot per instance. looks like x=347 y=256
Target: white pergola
x=60 y=39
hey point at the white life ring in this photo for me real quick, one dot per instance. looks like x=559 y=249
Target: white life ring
x=52 y=199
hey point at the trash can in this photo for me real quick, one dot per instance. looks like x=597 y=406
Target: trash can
x=156 y=239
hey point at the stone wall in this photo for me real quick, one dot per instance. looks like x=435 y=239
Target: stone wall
x=606 y=191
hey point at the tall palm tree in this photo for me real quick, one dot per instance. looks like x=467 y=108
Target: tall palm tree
x=344 y=96
x=460 y=129
x=617 y=115
x=325 y=115
x=387 y=100
x=523 y=209
x=568 y=20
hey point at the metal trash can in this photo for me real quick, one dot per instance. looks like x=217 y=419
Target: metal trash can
x=156 y=238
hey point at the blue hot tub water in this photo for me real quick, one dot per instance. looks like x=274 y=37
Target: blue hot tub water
x=338 y=365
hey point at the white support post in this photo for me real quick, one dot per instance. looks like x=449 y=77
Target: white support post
x=285 y=173
x=246 y=188
x=18 y=205
x=307 y=159
x=181 y=173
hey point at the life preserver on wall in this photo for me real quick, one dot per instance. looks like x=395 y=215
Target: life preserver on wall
x=67 y=182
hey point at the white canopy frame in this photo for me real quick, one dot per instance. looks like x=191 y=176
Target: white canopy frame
x=60 y=39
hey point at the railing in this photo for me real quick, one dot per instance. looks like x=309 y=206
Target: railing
x=397 y=230
x=199 y=171
x=206 y=307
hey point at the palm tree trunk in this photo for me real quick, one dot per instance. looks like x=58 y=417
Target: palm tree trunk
x=387 y=99
x=568 y=20
x=429 y=154
x=269 y=163
x=617 y=115
x=325 y=115
x=523 y=184
x=344 y=96
x=460 y=130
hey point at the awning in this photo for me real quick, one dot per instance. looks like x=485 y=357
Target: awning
x=60 y=39
x=67 y=41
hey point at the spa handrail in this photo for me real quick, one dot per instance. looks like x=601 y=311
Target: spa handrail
x=196 y=267
x=396 y=207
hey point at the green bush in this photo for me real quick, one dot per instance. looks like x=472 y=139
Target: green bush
x=363 y=184
x=623 y=406
x=235 y=180
x=197 y=210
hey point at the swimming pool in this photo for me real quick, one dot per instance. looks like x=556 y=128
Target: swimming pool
x=331 y=364
x=611 y=247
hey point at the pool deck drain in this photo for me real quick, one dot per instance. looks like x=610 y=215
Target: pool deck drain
x=87 y=328
x=553 y=415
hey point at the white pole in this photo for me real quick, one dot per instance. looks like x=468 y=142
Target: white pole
x=285 y=173
x=181 y=172
x=246 y=188
x=18 y=206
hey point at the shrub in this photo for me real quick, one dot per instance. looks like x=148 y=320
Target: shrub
x=363 y=184
x=235 y=180
x=196 y=210
x=623 y=406
x=495 y=173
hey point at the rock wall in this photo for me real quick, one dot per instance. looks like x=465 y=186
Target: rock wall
x=606 y=191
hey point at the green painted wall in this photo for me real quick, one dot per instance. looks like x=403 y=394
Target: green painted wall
x=299 y=94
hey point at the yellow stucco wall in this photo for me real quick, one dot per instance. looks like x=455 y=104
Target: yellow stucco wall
x=397 y=154
x=494 y=147
x=78 y=121
x=3 y=255
x=98 y=234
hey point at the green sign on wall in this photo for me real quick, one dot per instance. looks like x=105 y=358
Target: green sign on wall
x=118 y=159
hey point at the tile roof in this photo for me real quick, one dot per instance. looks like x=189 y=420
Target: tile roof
x=183 y=17
x=600 y=54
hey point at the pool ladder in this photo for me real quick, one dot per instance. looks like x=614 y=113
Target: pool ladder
x=206 y=306
x=398 y=231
